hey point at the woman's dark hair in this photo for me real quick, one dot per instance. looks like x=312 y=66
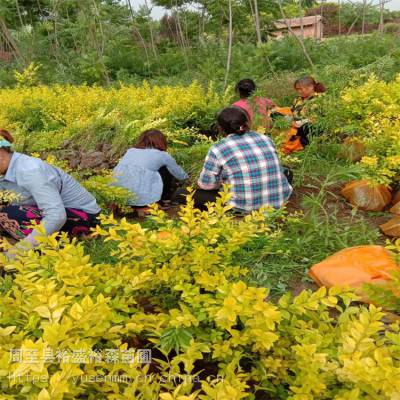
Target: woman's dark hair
x=233 y=120
x=246 y=87
x=310 y=81
x=152 y=139
x=7 y=136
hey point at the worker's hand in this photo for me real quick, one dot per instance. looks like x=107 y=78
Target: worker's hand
x=10 y=255
x=300 y=123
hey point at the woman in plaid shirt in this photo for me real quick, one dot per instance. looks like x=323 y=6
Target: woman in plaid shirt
x=245 y=160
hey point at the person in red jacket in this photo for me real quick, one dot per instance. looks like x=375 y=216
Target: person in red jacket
x=256 y=107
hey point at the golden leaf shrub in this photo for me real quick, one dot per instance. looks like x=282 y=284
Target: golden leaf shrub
x=373 y=110
x=43 y=117
x=173 y=287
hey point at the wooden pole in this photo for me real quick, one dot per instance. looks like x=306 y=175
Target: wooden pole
x=153 y=47
x=381 y=11
x=321 y=29
x=19 y=13
x=363 y=17
x=301 y=20
x=257 y=22
x=228 y=61
x=101 y=46
x=352 y=25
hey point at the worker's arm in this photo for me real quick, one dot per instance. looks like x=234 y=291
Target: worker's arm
x=210 y=176
x=48 y=199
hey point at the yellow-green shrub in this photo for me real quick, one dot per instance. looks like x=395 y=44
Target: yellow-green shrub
x=106 y=193
x=43 y=117
x=373 y=111
x=174 y=288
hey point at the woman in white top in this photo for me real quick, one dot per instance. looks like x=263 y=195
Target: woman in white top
x=147 y=170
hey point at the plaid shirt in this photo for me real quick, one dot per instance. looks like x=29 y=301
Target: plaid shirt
x=250 y=165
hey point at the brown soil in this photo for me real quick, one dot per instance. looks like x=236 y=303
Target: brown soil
x=298 y=287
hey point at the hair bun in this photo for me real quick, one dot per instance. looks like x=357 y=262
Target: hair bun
x=319 y=87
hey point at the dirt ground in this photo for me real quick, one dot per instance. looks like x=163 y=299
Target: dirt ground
x=336 y=203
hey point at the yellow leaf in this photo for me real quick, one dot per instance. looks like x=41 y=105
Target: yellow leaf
x=43 y=311
x=76 y=311
x=7 y=331
x=53 y=299
x=43 y=395
x=87 y=302
x=166 y=396
x=230 y=302
x=115 y=329
x=58 y=312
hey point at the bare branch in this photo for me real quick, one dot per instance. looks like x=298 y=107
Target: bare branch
x=257 y=22
x=301 y=42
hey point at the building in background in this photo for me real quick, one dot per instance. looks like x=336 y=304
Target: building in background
x=305 y=27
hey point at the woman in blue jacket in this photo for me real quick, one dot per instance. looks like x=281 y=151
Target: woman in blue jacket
x=147 y=170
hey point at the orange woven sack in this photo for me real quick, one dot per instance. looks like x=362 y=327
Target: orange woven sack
x=396 y=208
x=396 y=197
x=396 y=204
x=355 y=266
x=392 y=227
x=352 y=150
x=367 y=196
x=292 y=142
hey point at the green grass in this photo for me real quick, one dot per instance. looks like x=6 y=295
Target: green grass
x=100 y=251
x=281 y=262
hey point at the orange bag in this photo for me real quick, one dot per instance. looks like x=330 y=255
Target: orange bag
x=355 y=266
x=392 y=227
x=366 y=196
x=396 y=208
x=282 y=110
x=352 y=150
x=292 y=142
